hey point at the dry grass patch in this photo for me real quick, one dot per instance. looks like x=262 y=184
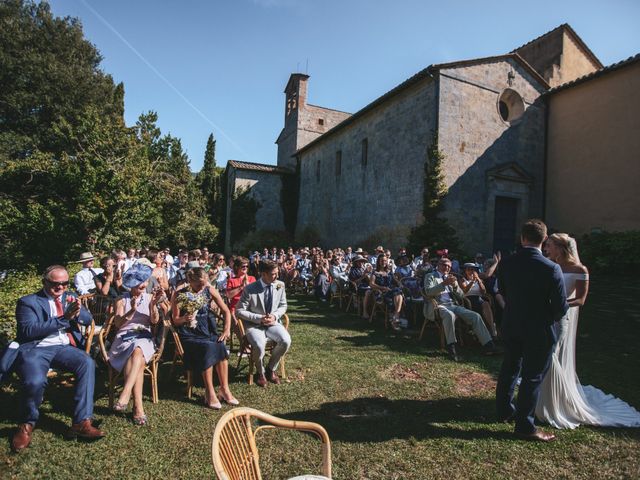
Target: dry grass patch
x=473 y=384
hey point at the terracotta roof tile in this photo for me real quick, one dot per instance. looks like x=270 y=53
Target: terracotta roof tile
x=260 y=167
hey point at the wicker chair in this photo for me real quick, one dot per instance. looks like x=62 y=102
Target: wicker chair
x=234 y=451
x=150 y=369
x=178 y=356
x=245 y=347
x=462 y=330
x=100 y=306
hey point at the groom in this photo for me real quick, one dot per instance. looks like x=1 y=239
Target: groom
x=533 y=289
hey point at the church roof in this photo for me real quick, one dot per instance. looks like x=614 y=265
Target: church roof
x=566 y=27
x=258 y=167
x=426 y=73
x=596 y=74
x=475 y=61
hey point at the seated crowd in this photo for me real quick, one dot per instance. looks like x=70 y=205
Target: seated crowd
x=204 y=295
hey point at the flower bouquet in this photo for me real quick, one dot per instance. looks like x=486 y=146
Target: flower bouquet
x=189 y=304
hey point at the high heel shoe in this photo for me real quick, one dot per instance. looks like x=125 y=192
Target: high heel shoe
x=233 y=401
x=119 y=407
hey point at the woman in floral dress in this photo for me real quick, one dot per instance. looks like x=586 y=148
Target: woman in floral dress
x=193 y=314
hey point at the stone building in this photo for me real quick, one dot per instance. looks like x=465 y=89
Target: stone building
x=592 y=151
x=361 y=176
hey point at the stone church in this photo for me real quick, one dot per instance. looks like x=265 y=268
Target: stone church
x=358 y=179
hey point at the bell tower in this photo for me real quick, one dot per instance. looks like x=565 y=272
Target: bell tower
x=295 y=101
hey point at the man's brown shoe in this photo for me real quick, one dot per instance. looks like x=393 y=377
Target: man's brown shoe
x=260 y=380
x=22 y=438
x=536 y=436
x=272 y=377
x=85 y=430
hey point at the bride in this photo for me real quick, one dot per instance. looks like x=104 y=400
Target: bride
x=563 y=402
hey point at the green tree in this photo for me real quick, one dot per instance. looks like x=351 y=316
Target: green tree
x=49 y=77
x=209 y=180
x=435 y=231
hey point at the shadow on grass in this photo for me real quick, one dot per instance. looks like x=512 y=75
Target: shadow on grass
x=372 y=419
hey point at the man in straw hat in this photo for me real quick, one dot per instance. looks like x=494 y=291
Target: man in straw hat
x=84 y=279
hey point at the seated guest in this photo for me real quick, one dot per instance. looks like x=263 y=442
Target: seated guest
x=392 y=263
x=159 y=273
x=383 y=286
x=338 y=272
x=46 y=321
x=404 y=276
x=261 y=306
x=218 y=273
x=442 y=286
x=422 y=260
x=321 y=277
x=83 y=280
x=239 y=280
x=109 y=282
x=303 y=266
x=204 y=349
x=289 y=269
x=133 y=347
x=360 y=278
x=474 y=290
x=131 y=259
x=373 y=259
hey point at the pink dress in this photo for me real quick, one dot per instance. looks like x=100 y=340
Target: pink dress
x=136 y=332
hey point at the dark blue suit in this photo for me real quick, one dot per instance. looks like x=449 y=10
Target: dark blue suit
x=533 y=289
x=35 y=322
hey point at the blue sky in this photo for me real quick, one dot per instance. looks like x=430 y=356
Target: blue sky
x=221 y=66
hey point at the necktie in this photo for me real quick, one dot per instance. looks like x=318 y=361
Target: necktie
x=60 y=313
x=267 y=300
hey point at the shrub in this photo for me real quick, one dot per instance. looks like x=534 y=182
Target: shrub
x=613 y=251
x=14 y=286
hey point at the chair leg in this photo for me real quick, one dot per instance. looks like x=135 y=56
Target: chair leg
x=189 y=384
x=283 y=374
x=112 y=387
x=424 y=324
x=250 y=370
x=154 y=382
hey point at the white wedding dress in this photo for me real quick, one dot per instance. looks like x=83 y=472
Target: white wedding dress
x=563 y=402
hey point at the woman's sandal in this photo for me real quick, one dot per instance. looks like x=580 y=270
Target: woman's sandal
x=140 y=420
x=231 y=401
x=213 y=406
x=119 y=407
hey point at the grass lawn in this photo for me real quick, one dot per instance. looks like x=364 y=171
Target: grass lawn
x=394 y=409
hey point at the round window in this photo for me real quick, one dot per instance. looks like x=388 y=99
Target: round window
x=510 y=105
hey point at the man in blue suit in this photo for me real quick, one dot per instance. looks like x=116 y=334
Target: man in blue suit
x=45 y=336
x=533 y=289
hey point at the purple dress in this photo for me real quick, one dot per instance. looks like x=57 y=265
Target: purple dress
x=136 y=332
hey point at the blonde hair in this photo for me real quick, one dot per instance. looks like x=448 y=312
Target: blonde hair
x=567 y=246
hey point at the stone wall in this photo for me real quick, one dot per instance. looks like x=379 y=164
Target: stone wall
x=384 y=198
x=593 y=169
x=265 y=188
x=476 y=142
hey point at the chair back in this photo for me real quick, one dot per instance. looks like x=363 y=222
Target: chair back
x=100 y=306
x=107 y=329
x=234 y=451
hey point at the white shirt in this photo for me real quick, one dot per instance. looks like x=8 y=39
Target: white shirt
x=84 y=280
x=445 y=297
x=58 y=338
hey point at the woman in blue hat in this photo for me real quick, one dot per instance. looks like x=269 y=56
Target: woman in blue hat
x=133 y=345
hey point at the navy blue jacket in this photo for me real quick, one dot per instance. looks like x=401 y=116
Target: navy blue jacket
x=34 y=323
x=533 y=288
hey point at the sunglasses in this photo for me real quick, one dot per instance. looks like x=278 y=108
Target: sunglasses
x=57 y=284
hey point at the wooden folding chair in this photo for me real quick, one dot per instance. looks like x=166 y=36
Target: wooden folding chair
x=234 y=451
x=245 y=346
